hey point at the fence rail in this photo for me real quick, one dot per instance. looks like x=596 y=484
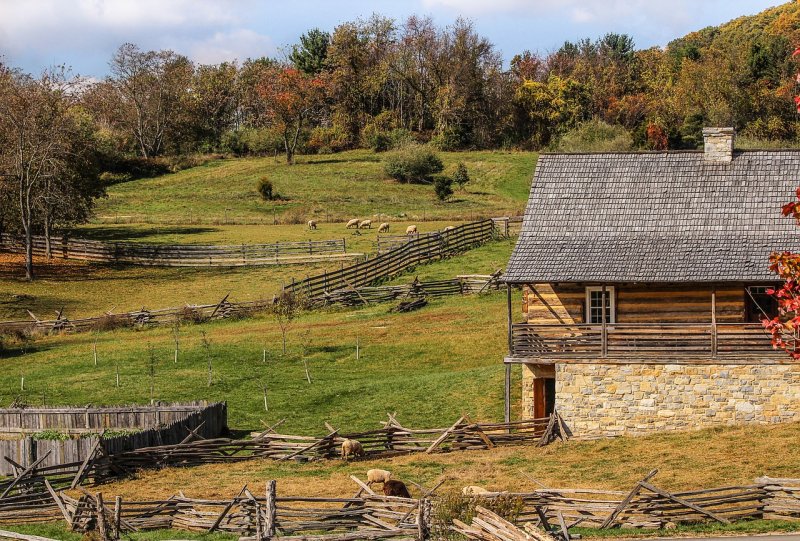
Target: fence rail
x=626 y=340
x=186 y=255
x=257 y=515
x=417 y=250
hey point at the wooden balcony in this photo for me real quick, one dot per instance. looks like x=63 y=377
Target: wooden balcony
x=735 y=343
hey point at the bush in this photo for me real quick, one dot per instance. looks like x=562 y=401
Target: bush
x=413 y=163
x=443 y=186
x=454 y=505
x=324 y=140
x=461 y=176
x=266 y=189
x=252 y=141
x=596 y=136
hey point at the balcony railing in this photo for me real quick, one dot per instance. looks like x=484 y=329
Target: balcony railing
x=651 y=340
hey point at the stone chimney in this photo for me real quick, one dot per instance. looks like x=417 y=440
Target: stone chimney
x=718 y=144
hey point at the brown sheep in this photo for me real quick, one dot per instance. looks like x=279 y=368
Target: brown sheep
x=351 y=448
x=384 y=228
x=392 y=487
x=353 y=223
x=312 y=224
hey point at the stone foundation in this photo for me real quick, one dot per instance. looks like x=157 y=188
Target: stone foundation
x=604 y=399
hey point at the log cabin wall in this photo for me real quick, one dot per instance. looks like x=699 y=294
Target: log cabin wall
x=636 y=303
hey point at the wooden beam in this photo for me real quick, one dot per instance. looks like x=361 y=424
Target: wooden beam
x=24 y=474
x=59 y=503
x=628 y=499
x=686 y=503
x=226 y=510
x=444 y=435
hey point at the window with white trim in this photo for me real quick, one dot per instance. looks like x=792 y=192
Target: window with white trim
x=594 y=304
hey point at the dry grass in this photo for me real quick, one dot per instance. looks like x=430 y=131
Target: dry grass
x=705 y=458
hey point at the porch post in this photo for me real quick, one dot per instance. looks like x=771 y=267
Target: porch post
x=507 y=393
x=714 y=321
x=604 y=331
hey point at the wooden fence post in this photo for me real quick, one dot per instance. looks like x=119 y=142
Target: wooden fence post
x=271 y=510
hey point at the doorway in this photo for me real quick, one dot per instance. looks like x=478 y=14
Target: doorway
x=544 y=397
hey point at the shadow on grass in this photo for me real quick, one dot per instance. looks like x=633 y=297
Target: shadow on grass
x=111 y=234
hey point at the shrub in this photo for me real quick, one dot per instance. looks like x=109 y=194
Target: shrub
x=413 y=163
x=596 y=136
x=454 y=505
x=325 y=140
x=461 y=176
x=443 y=186
x=258 y=141
x=109 y=322
x=266 y=189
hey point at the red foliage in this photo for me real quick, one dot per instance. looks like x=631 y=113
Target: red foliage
x=656 y=137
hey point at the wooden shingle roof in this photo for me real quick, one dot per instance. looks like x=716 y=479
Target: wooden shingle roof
x=656 y=217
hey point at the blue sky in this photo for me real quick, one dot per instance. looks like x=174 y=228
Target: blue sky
x=83 y=34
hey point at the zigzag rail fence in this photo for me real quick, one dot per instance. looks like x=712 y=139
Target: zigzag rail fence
x=185 y=255
x=325 y=288
x=257 y=516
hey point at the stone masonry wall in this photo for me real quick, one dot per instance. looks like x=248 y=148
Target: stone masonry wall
x=614 y=399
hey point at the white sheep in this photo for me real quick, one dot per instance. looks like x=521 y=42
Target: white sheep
x=351 y=448
x=365 y=224
x=448 y=228
x=312 y=224
x=353 y=223
x=411 y=230
x=474 y=491
x=377 y=476
x=384 y=228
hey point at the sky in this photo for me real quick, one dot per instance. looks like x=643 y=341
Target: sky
x=83 y=34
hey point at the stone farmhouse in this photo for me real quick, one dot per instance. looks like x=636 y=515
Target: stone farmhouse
x=644 y=278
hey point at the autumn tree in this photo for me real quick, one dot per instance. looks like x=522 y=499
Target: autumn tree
x=47 y=158
x=292 y=101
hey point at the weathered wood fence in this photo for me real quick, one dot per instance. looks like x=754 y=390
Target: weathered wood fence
x=257 y=515
x=149 y=426
x=186 y=255
x=421 y=249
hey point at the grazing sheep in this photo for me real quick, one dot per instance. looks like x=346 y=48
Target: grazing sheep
x=384 y=228
x=312 y=224
x=411 y=230
x=378 y=476
x=474 y=491
x=365 y=224
x=351 y=448
x=393 y=487
x=353 y=223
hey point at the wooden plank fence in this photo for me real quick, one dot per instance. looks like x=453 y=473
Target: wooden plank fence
x=186 y=255
x=420 y=249
x=157 y=425
x=263 y=514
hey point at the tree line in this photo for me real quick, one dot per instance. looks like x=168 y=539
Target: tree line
x=381 y=83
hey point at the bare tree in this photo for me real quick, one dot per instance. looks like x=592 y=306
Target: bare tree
x=286 y=309
x=152 y=87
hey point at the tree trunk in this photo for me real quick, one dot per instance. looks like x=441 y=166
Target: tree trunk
x=47 y=235
x=289 y=149
x=28 y=254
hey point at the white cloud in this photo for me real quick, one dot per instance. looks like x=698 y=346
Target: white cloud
x=205 y=30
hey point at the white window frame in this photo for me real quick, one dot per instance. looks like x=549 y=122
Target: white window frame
x=612 y=304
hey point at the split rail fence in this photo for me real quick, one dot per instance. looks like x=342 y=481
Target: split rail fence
x=186 y=255
x=327 y=287
x=256 y=515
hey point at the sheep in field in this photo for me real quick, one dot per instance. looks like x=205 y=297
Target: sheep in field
x=312 y=224
x=448 y=228
x=384 y=228
x=365 y=224
x=393 y=487
x=411 y=230
x=353 y=223
x=474 y=491
x=352 y=448
x=378 y=476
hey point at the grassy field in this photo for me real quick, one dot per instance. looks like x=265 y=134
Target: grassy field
x=425 y=365
x=85 y=289
x=326 y=187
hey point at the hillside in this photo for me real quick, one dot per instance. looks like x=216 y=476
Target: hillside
x=327 y=188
